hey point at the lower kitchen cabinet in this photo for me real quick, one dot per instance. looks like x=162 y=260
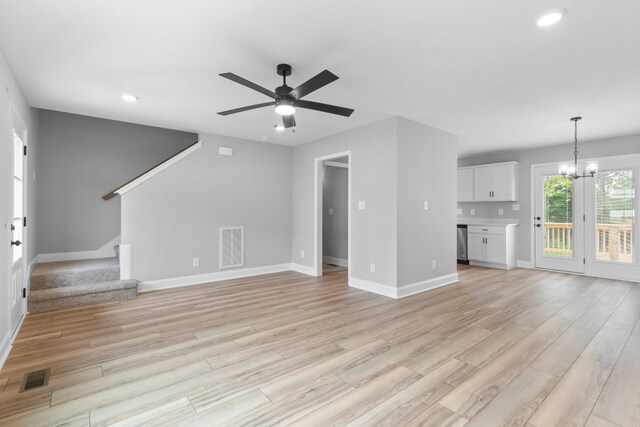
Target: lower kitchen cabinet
x=492 y=246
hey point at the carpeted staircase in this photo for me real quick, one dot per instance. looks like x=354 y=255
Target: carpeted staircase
x=69 y=283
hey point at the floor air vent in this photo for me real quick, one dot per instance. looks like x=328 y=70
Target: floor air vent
x=35 y=379
x=231 y=247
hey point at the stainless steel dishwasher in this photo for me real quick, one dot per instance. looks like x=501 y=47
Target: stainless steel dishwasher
x=463 y=256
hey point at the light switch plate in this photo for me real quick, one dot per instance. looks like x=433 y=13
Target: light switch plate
x=330 y=211
x=473 y=212
x=426 y=205
x=362 y=205
x=460 y=212
x=500 y=211
x=515 y=206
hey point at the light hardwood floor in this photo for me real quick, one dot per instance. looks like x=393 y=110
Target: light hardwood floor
x=500 y=348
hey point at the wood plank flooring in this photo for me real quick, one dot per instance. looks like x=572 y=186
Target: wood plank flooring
x=500 y=348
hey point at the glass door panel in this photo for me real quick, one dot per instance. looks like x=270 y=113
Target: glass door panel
x=558 y=221
x=615 y=214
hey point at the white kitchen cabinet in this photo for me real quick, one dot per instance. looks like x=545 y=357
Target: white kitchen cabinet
x=465 y=185
x=492 y=246
x=497 y=182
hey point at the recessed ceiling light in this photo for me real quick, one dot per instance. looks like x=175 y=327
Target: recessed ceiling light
x=550 y=17
x=129 y=97
x=279 y=128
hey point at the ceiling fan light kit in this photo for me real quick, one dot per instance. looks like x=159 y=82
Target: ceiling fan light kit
x=287 y=99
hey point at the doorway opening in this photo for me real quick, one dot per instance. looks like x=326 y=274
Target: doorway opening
x=332 y=213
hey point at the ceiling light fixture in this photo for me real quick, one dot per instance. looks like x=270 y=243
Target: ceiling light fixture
x=285 y=107
x=129 y=97
x=571 y=171
x=551 y=17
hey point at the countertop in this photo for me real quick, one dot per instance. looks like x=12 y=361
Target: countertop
x=489 y=221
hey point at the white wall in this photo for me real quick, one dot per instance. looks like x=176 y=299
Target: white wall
x=175 y=216
x=589 y=149
x=426 y=172
x=10 y=94
x=335 y=196
x=374 y=178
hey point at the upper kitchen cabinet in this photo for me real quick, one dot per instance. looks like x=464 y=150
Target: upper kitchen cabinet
x=497 y=182
x=465 y=184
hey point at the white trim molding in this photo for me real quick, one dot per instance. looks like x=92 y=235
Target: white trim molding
x=336 y=164
x=299 y=268
x=5 y=348
x=376 y=288
x=153 y=172
x=337 y=261
x=126 y=263
x=524 y=264
x=176 y=282
x=426 y=285
x=105 y=251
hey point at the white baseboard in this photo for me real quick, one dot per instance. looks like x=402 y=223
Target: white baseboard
x=524 y=264
x=309 y=271
x=416 y=288
x=376 y=288
x=175 y=282
x=5 y=348
x=105 y=251
x=337 y=261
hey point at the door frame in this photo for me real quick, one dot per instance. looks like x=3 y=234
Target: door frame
x=588 y=271
x=18 y=126
x=597 y=268
x=317 y=211
x=578 y=226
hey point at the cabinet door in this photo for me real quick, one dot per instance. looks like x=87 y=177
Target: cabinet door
x=465 y=185
x=482 y=184
x=476 y=245
x=502 y=183
x=496 y=249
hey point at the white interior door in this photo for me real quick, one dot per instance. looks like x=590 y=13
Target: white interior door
x=558 y=221
x=17 y=254
x=611 y=227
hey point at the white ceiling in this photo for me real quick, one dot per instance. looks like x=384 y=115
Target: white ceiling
x=479 y=69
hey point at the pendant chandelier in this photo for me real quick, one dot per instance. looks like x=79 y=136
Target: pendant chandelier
x=571 y=171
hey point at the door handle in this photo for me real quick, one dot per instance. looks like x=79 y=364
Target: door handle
x=538 y=225
x=17 y=243
x=537 y=218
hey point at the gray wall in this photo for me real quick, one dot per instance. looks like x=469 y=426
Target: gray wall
x=175 y=216
x=373 y=180
x=81 y=158
x=426 y=172
x=591 y=149
x=335 y=195
x=11 y=95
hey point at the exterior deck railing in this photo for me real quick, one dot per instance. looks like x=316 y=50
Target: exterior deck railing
x=613 y=241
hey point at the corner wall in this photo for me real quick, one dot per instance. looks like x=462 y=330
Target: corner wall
x=175 y=216
x=81 y=159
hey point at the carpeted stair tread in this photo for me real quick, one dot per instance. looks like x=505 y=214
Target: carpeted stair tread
x=73 y=273
x=70 y=296
x=78 y=290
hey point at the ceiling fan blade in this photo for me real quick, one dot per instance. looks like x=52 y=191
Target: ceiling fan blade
x=289 y=121
x=247 y=83
x=247 y=108
x=325 y=108
x=314 y=83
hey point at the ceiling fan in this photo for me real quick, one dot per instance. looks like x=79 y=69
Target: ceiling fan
x=287 y=99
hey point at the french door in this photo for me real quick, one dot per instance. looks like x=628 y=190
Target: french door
x=589 y=225
x=558 y=221
x=17 y=280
